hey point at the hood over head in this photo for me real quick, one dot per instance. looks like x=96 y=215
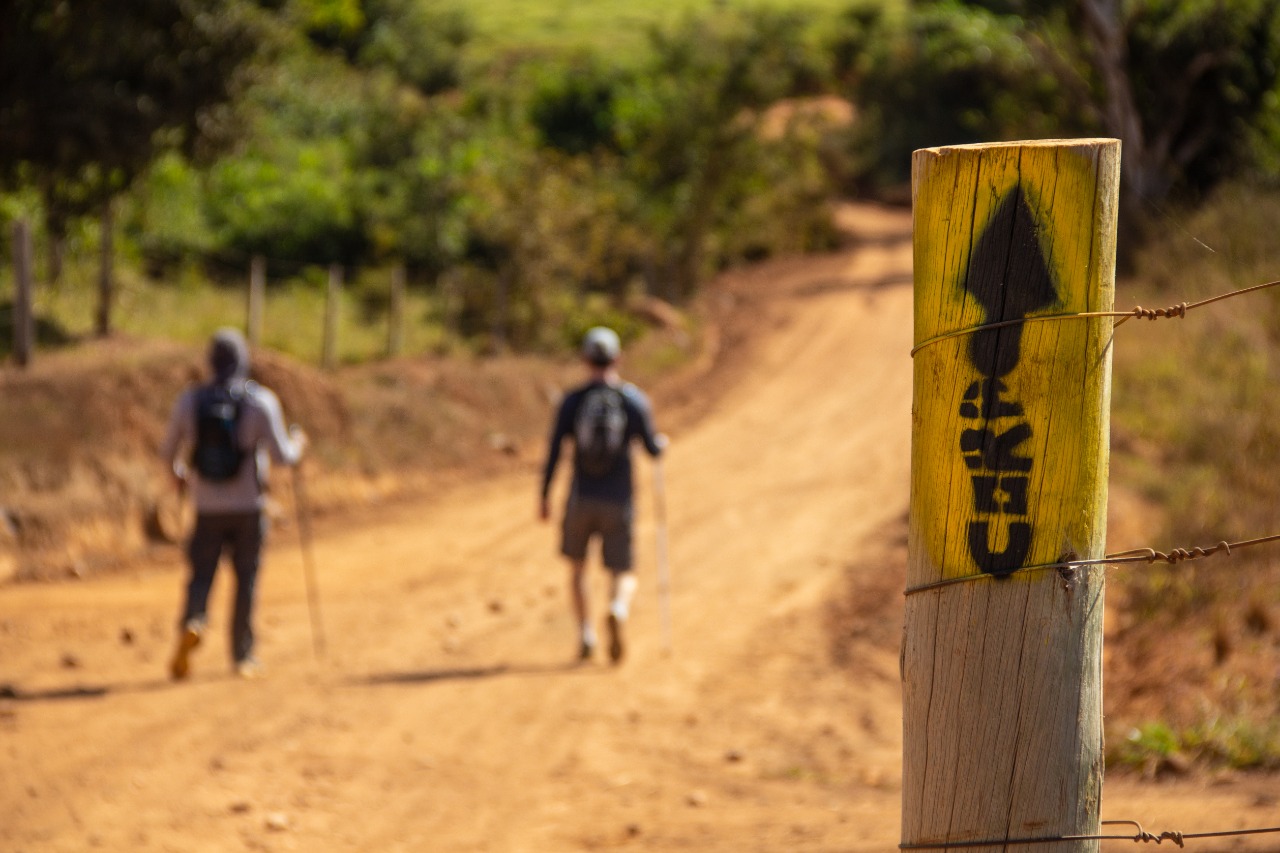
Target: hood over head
x=228 y=355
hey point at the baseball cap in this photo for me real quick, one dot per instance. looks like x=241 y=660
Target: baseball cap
x=601 y=346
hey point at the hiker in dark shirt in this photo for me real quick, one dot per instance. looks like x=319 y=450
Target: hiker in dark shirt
x=602 y=417
x=221 y=440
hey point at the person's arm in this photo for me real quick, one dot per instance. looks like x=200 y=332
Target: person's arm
x=178 y=435
x=654 y=441
x=285 y=446
x=562 y=426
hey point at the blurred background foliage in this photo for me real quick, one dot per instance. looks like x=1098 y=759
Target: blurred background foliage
x=521 y=159
x=536 y=167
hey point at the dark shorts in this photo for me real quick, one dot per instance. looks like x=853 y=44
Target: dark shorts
x=588 y=517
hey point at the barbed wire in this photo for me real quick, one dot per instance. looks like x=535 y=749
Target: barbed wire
x=1178 y=838
x=1067 y=566
x=1179 y=310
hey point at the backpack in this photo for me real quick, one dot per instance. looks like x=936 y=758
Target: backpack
x=217 y=454
x=600 y=431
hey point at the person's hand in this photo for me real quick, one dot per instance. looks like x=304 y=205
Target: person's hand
x=299 y=438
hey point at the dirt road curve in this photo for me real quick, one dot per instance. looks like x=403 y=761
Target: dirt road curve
x=446 y=716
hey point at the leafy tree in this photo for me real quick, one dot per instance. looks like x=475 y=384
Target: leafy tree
x=90 y=92
x=421 y=43
x=691 y=118
x=572 y=105
x=1181 y=82
x=946 y=74
x=292 y=191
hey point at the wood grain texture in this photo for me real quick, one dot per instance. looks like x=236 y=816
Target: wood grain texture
x=1010 y=429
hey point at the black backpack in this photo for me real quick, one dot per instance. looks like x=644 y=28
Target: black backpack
x=600 y=431
x=217 y=454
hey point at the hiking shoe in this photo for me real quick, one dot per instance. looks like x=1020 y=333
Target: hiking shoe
x=586 y=650
x=249 y=669
x=180 y=666
x=616 y=648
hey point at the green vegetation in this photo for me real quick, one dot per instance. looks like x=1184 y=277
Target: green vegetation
x=616 y=30
x=523 y=159
x=538 y=166
x=1154 y=747
x=1196 y=430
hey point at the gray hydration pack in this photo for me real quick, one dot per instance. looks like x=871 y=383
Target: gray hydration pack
x=600 y=431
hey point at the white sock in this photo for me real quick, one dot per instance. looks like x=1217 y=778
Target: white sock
x=588 y=635
x=624 y=587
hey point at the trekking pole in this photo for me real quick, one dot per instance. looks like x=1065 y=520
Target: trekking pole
x=308 y=560
x=664 y=568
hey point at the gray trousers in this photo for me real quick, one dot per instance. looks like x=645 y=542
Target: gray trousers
x=242 y=534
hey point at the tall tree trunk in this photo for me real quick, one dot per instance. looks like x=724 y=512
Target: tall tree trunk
x=1105 y=25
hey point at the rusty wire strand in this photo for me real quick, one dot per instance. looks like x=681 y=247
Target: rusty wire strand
x=1180 y=310
x=1178 y=838
x=1134 y=555
x=1139 y=836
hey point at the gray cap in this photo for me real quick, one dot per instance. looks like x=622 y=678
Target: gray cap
x=228 y=355
x=601 y=346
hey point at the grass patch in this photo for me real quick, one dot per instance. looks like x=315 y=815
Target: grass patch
x=616 y=30
x=1196 y=431
x=189 y=309
x=1154 y=747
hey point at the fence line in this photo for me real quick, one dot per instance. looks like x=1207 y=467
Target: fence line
x=1134 y=555
x=1068 y=567
x=1142 y=835
x=1180 y=310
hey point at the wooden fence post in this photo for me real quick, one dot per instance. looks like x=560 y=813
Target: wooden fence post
x=106 y=270
x=257 y=299
x=23 y=319
x=395 y=312
x=1002 y=671
x=329 y=346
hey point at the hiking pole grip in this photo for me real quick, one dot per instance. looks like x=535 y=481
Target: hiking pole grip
x=664 y=568
x=308 y=559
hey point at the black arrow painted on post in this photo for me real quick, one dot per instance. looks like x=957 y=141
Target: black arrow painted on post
x=1010 y=278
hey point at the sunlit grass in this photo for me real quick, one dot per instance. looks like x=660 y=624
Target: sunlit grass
x=617 y=30
x=189 y=311
x=1230 y=743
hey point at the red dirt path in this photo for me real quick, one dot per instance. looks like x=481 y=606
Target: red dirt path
x=446 y=716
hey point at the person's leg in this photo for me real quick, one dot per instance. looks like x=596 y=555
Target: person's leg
x=576 y=534
x=617 y=552
x=203 y=551
x=247 y=538
x=622 y=589
x=579 y=592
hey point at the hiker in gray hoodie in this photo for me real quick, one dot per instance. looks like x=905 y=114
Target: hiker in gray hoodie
x=221 y=439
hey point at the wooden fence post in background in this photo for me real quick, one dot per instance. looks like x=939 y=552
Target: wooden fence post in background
x=106 y=270
x=329 y=346
x=23 y=319
x=1002 y=671
x=395 y=312
x=257 y=299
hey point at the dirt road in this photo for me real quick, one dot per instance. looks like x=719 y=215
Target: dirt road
x=447 y=715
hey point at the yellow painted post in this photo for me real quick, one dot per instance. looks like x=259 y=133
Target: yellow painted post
x=1001 y=661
